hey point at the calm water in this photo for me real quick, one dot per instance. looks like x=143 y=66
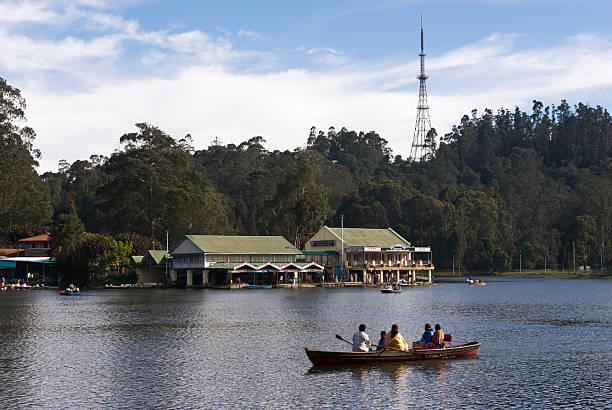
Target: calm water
x=546 y=343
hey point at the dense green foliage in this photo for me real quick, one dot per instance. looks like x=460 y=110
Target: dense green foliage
x=24 y=199
x=499 y=188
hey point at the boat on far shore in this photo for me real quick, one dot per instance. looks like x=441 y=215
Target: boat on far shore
x=391 y=289
x=69 y=292
x=476 y=282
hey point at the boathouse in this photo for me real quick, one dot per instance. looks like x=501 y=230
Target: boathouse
x=227 y=260
x=33 y=270
x=369 y=255
x=151 y=267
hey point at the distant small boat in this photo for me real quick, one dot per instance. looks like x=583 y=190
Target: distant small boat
x=476 y=282
x=69 y=292
x=353 y=285
x=23 y=286
x=258 y=287
x=391 y=289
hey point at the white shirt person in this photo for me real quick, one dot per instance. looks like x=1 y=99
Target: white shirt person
x=361 y=341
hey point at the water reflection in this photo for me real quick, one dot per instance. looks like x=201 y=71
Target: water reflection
x=545 y=344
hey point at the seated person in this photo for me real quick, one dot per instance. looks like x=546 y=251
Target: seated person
x=381 y=342
x=438 y=337
x=395 y=340
x=427 y=335
x=361 y=341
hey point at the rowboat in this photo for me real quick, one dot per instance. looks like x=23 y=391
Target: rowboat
x=476 y=282
x=69 y=292
x=390 y=289
x=329 y=357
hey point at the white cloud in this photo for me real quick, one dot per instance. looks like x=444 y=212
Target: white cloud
x=25 y=12
x=249 y=34
x=20 y=52
x=325 y=55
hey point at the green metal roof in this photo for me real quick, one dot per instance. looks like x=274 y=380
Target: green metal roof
x=369 y=237
x=157 y=255
x=243 y=244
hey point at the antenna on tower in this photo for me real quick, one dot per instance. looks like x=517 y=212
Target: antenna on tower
x=422 y=144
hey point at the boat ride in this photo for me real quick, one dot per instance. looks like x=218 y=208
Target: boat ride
x=391 y=289
x=476 y=282
x=330 y=357
x=69 y=292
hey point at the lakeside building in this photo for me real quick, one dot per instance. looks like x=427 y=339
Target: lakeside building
x=369 y=255
x=227 y=260
x=151 y=267
x=39 y=245
x=30 y=262
x=34 y=269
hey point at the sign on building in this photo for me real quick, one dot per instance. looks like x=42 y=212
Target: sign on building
x=330 y=242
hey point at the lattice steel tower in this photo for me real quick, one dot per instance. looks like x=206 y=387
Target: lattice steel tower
x=420 y=147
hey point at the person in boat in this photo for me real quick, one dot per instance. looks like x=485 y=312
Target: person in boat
x=381 y=342
x=361 y=341
x=438 y=337
x=427 y=335
x=395 y=340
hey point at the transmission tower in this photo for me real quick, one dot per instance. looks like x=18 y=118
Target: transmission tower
x=420 y=146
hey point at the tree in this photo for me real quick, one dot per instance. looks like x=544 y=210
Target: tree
x=23 y=197
x=582 y=234
x=300 y=205
x=154 y=184
x=484 y=231
x=67 y=236
x=115 y=257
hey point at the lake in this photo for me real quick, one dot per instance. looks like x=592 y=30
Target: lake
x=546 y=342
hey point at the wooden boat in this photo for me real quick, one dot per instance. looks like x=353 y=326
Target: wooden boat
x=329 y=357
x=390 y=289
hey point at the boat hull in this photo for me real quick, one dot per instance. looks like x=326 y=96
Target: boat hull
x=328 y=357
x=66 y=293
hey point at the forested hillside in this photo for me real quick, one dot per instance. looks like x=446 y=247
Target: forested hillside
x=499 y=185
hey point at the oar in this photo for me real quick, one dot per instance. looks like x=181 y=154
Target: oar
x=375 y=345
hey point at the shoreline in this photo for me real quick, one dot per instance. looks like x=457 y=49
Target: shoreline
x=552 y=273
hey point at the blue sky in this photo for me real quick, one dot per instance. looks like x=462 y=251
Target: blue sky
x=90 y=69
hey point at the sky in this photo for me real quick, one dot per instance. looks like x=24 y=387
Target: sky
x=234 y=69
